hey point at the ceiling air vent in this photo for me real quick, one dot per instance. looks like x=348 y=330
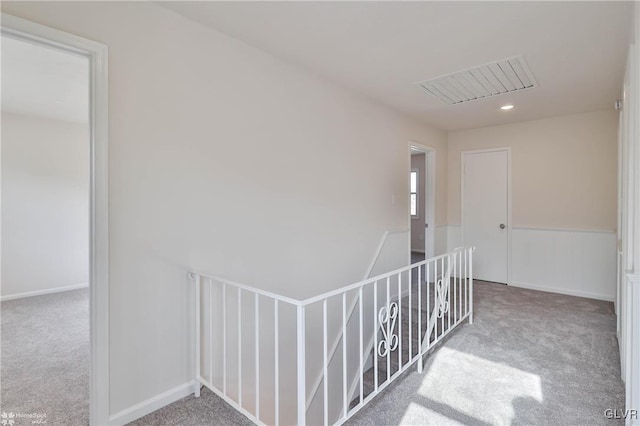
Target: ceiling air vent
x=492 y=79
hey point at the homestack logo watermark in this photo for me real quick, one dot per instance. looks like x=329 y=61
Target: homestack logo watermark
x=618 y=413
x=8 y=419
x=16 y=419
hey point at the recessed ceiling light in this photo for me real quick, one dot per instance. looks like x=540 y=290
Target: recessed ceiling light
x=506 y=107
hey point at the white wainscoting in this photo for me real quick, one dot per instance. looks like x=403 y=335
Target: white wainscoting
x=441 y=239
x=454 y=237
x=566 y=261
x=575 y=262
x=440 y=245
x=631 y=346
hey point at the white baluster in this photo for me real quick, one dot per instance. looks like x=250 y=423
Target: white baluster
x=240 y=347
x=276 y=367
x=448 y=291
x=419 y=319
x=471 y=285
x=429 y=314
x=410 y=309
x=198 y=343
x=361 y=346
x=375 y=334
x=224 y=339
x=443 y=300
x=211 y=331
x=400 y=322
x=325 y=362
x=388 y=334
x=257 y=352
x=345 y=396
x=300 y=314
x=454 y=277
x=436 y=299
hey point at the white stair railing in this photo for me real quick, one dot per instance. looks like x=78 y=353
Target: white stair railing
x=255 y=349
x=441 y=290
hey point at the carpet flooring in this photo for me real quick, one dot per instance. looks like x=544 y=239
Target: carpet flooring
x=44 y=359
x=416 y=257
x=209 y=409
x=529 y=358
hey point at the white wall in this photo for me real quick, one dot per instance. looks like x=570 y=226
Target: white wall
x=563 y=169
x=45 y=205
x=628 y=306
x=208 y=138
x=563 y=199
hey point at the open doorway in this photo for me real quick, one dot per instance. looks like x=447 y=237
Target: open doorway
x=54 y=233
x=421 y=201
x=45 y=233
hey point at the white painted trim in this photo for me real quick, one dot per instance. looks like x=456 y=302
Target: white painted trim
x=590 y=231
x=632 y=384
x=429 y=206
x=383 y=240
x=97 y=54
x=557 y=290
x=533 y=228
x=152 y=404
x=616 y=303
x=377 y=254
x=628 y=211
x=43 y=292
x=509 y=198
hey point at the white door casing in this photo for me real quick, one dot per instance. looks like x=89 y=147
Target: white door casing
x=486 y=212
x=97 y=54
x=426 y=197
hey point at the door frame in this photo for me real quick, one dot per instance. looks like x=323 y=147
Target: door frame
x=429 y=204
x=509 y=219
x=97 y=54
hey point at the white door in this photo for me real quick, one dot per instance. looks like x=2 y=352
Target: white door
x=485 y=212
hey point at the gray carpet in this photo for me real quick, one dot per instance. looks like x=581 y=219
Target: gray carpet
x=529 y=358
x=209 y=409
x=416 y=257
x=44 y=366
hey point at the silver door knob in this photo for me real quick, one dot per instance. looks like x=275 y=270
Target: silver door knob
x=502 y=226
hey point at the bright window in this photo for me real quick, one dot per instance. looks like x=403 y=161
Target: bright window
x=413 y=201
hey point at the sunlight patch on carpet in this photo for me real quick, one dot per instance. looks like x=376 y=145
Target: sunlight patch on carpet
x=416 y=413
x=496 y=389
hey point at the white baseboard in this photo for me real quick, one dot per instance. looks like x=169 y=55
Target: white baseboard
x=43 y=292
x=559 y=290
x=152 y=404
